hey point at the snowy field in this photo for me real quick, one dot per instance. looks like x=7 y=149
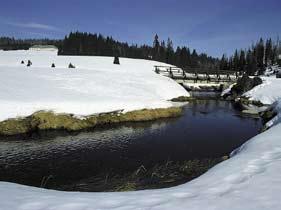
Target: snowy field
x=96 y=85
x=249 y=180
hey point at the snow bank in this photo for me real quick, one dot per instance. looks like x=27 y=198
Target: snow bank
x=201 y=86
x=277 y=119
x=268 y=92
x=95 y=85
x=272 y=70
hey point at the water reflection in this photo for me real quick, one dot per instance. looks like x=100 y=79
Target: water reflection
x=209 y=128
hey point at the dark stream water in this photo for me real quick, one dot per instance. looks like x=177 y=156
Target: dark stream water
x=208 y=129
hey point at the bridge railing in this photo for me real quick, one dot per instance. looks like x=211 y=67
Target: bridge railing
x=196 y=73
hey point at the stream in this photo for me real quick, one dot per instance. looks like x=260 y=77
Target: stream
x=130 y=156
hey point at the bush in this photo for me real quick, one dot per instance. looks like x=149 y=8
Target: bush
x=22 y=62
x=29 y=63
x=244 y=84
x=278 y=74
x=71 y=66
x=257 y=81
x=116 y=60
x=53 y=65
x=279 y=62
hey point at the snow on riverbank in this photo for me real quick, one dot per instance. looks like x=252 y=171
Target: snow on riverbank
x=95 y=85
x=266 y=93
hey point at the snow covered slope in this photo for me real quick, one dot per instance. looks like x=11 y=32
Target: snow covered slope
x=268 y=92
x=95 y=85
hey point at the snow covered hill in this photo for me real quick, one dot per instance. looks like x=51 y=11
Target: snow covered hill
x=95 y=85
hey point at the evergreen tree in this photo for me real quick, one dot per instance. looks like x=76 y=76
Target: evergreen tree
x=169 y=51
x=274 y=54
x=194 y=59
x=242 y=60
x=223 y=62
x=251 y=63
x=156 y=48
x=260 y=56
x=230 y=65
x=236 y=61
x=268 y=52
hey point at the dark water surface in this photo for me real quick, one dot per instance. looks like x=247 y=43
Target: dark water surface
x=208 y=129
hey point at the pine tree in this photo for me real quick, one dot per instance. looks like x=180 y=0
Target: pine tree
x=251 y=62
x=236 y=61
x=230 y=64
x=268 y=52
x=194 y=59
x=260 y=56
x=169 y=51
x=163 y=51
x=223 y=62
x=156 y=48
x=242 y=61
x=274 y=55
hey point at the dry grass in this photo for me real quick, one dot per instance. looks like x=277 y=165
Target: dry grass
x=182 y=99
x=50 y=121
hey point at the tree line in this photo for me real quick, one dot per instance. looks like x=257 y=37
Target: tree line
x=78 y=43
x=254 y=60
x=7 y=43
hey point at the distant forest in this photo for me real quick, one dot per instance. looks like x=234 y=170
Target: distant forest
x=256 y=58
x=7 y=43
x=78 y=43
x=96 y=44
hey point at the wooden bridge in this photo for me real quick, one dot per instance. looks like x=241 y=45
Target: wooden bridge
x=197 y=75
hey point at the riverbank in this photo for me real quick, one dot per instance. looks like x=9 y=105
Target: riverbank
x=42 y=121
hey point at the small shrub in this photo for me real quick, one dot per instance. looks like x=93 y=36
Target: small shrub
x=29 y=63
x=116 y=60
x=53 y=65
x=257 y=81
x=22 y=62
x=71 y=66
x=278 y=74
x=244 y=84
x=181 y=99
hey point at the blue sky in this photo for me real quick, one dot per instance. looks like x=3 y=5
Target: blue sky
x=212 y=26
